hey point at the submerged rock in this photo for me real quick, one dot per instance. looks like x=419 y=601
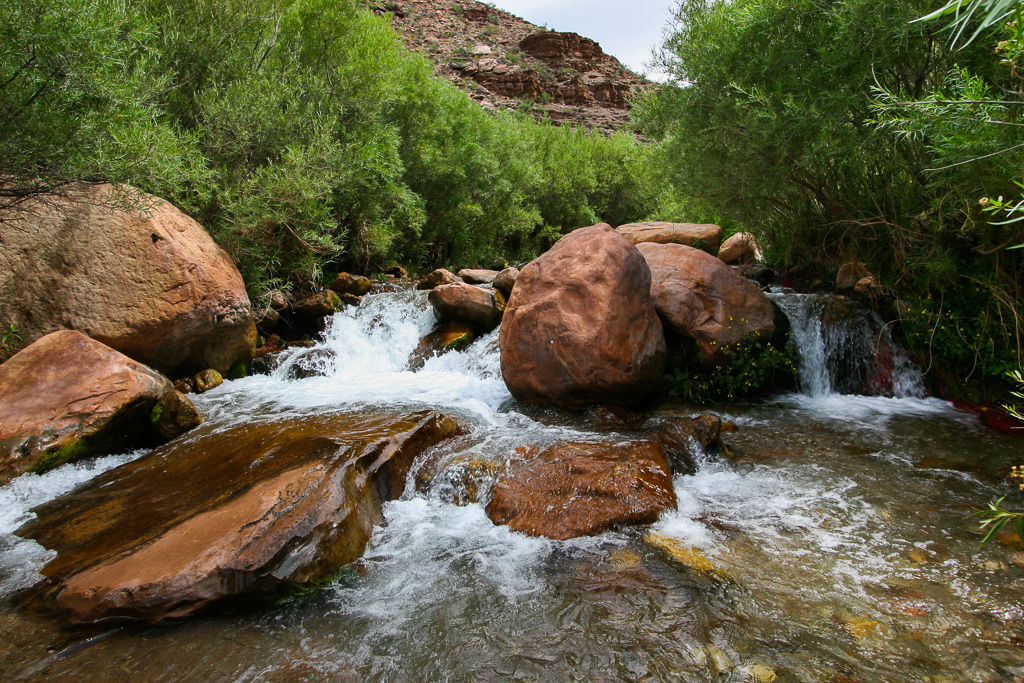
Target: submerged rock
x=454 y=335
x=685 y=438
x=582 y=489
x=237 y=511
x=147 y=281
x=66 y=396
x=702 y=298
x=459 y=301
x=581 y=327
x=704 y=236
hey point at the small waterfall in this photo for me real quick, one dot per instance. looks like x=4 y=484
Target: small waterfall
x=843 y=348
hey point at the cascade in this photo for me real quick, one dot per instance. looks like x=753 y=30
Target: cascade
x=844 y=348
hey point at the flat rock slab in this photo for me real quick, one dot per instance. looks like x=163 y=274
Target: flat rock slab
x=231 y=512
x=706 y=236
x=67 y=396
x=580 y=489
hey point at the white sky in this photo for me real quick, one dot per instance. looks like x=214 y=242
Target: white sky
x=627 y=29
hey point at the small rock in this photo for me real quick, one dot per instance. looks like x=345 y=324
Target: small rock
x=505 y=280
x=278 y=300
x=173 y=415
x=684 y=437
x=318 y=305
x=741 y=248
x=397 y=271
x=436 y=278
x=266 y=322
x=705 y=236
x=351 y=299
x=481 y=50
x=869 y=288
x=346 y=283
x=850 y=274
x=208 y=379
x=186 y=385
x=478 y=276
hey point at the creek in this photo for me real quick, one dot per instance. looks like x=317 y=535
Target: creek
x=838 y=528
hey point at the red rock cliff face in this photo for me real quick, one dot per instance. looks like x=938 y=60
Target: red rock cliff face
x=505 y=62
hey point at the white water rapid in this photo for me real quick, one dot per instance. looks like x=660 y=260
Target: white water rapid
x=837 y=528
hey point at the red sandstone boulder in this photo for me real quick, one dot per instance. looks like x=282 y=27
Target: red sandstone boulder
x=228 y=512
x=459 y=301
x=66 y=396
x=701 y=297
x=741 y=248
x=704 y=236
x=582 y=489
x=581 y=327
x=148 y=282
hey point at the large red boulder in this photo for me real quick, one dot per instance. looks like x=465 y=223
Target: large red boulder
x=67 y=396
x=582 y=489
x=699 y=296
x=228 y=512
x=129 y=270
x=580 y=326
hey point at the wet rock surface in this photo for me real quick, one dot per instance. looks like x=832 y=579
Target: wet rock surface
x=454 y=335
x=685 y=438
x=146 y=281
x=581 y=327
x=581 y=489
x=702 y=298
x=173 y=415
x=237 y=511
x=67 y=396
x=704 y=236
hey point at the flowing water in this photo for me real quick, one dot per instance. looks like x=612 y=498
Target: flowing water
x=837 y=525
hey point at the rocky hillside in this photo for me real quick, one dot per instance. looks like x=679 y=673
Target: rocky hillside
x=505 y=62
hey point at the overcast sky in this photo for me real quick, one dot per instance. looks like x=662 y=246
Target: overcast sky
x=627 y=29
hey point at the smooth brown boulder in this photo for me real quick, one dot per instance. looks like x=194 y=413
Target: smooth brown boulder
x=701 y=297
x=478 y=276
x=740 y=248
x=148 y=282
x=704 y=236
x=506 y=280
x=469 y=303
x=346 y=283
x=850 y=274
x=580 y=327
x=582 y=489
x=66 y=396
x=436 y=278
x=223 y=512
